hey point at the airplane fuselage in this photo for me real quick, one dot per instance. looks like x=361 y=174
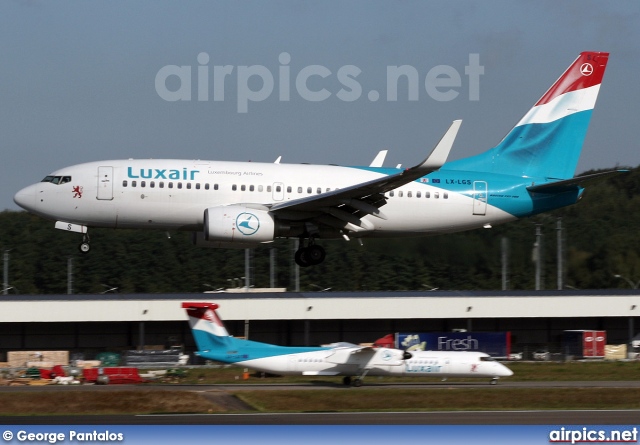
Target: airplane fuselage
x=347 y=360
x=173 y=194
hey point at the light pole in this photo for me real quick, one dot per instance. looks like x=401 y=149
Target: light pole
x=631 y=283
x=5 y=258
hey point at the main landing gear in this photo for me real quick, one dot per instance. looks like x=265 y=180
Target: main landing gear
x=348 y=381
x=355 y=381
x=310 y=255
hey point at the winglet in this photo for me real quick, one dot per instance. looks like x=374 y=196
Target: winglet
x=440 y=153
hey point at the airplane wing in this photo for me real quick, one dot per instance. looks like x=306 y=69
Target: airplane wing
x=350 y=355
x=348 y=205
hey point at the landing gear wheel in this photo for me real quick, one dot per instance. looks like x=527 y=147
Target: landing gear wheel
x=315 y=254
x=357 y=383
x=84 y=247
x=310 y=256
x=301 y=257
x=493 y=382
x=346 y=380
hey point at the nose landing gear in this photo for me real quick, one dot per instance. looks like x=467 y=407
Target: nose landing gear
x=84 y=247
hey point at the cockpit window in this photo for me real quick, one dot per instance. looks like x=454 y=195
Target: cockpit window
x=57 y=179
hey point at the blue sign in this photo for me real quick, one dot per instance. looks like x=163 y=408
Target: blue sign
x=496 y=344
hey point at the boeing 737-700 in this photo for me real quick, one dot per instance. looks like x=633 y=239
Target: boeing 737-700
x=248 y=204
x=338 y=359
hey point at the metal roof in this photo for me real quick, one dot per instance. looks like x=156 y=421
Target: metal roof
x=324 y=305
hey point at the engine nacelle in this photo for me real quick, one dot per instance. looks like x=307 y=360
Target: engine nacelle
x=199 y=241
x=238 y=224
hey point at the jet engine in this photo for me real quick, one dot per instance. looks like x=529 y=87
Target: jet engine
x=238 y=224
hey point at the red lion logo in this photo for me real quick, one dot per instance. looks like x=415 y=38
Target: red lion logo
x=77 y=191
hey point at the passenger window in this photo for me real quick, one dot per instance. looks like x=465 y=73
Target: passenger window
x=308 y=189
x=260 y=188
x=278 y=188
x=234 y=187
x=179 y=185
x=436 y=195
x=445 y=196
x=289 y=189
x=124 y=183
x=399 y=193
x=252 y=188
x=418 y=194
x=170 y=185
x=408 y=194
x=427 y=194
x=318 y=190
x=161 y=184
x=189 y=185
x=133 y=183
x=243 y=187
x=197 y=186
x=391 y=193
x=299 y=189
x=143 y=183
x=206 y=186
x=215 y=186
x=152 y=184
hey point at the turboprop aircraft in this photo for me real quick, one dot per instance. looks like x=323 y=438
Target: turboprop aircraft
x=339 y=359
x=248 y=204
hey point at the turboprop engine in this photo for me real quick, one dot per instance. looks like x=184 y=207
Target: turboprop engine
x=238 y=224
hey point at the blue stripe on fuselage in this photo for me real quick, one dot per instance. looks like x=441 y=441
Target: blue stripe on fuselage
x=506 y=192
x=233 y=350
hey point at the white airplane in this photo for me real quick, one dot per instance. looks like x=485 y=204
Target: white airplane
x=248 y=204
x=338 y=359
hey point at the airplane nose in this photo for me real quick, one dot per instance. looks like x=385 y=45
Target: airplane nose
x=505 y=372
x=25 y=198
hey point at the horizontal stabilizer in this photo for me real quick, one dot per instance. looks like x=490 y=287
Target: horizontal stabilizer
x=570 y=184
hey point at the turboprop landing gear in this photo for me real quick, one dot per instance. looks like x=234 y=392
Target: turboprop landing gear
x=356 y=382
x=310 y=255
x=84 y=247
x=493 y=381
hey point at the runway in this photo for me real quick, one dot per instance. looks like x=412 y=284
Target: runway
x=551 y=417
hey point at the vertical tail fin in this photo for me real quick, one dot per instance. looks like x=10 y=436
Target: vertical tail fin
x=547 y=141
x=207 y=328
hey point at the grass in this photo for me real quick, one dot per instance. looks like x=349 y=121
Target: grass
x=104 y=402
x=437 y=397
x=452 y=399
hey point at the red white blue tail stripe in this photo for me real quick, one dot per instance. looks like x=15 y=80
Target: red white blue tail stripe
x=546 y=143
